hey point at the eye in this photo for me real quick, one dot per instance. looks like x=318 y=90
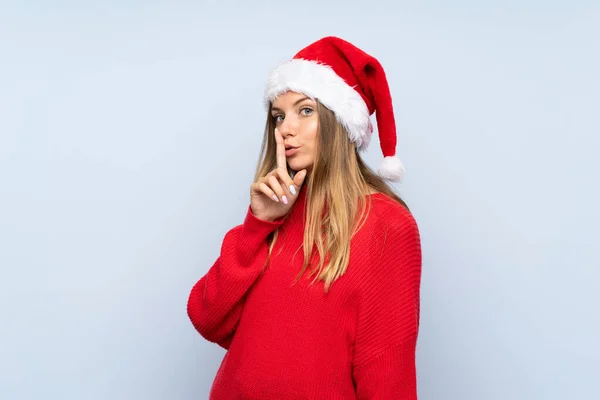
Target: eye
x=276 y=118
x=309 y=110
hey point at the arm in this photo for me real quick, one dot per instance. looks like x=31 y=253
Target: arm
x=388 y=318
x=215 y=303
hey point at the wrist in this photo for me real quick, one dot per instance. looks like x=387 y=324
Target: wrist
x=261 y=217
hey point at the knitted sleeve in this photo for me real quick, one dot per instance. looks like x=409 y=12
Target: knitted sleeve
x=215 y=302
x=388 y=317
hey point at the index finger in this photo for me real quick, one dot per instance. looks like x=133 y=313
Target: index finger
x=281 y=160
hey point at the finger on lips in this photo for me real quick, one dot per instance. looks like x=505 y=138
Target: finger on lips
x=282 y=163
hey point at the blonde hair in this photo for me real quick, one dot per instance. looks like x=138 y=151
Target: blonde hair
x=337 y=189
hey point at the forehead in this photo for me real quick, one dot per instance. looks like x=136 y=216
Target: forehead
x=289 y=97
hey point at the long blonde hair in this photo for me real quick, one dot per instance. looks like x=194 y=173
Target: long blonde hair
x=337 y=188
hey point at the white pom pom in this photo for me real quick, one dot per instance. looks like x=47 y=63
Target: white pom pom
x=391 y=169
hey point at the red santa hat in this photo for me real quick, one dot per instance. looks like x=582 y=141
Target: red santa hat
x=349 y=82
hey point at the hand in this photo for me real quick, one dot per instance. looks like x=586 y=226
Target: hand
x=269 y=193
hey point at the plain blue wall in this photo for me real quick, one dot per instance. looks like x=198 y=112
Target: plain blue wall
x=129 y=133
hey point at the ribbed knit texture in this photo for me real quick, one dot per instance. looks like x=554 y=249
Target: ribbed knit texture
x=287 y=341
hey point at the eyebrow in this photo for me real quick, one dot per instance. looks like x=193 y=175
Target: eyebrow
x=295 y=104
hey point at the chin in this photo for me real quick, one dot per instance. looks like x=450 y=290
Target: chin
x=298 y=165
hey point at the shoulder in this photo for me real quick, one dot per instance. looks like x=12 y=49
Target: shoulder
x=389 y=216
x=396 y=240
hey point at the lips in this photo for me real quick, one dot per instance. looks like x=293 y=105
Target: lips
x=291 y=151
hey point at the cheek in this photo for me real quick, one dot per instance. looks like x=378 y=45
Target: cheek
x=310 y=132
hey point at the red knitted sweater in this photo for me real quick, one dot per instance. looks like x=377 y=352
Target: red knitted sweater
x=290 y=342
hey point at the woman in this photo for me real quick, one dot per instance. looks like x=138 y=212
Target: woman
x=316 y=294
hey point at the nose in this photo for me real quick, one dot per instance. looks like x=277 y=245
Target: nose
x=288 y=126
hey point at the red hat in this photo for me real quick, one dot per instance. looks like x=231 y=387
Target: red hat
x=349 y=82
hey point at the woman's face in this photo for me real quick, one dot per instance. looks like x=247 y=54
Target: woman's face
x=295 y=116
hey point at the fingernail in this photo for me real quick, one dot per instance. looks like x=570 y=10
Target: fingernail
x=293 y=189
x=275 y=198
x=284 y=200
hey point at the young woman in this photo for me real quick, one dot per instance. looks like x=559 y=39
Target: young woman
x=316 y=294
